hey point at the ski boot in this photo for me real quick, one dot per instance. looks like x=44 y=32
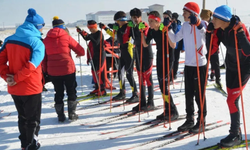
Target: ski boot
x=187 y=125
x=60 y=112
x=72 y=110
x=120 y=96
x=133 y=99
x=196 y=127
x=234 y=138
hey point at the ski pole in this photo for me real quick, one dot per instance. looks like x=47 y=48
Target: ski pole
x=80 y=63
x=240 y=83
x=100 y=63
x=205 y=85
x=140 y=78
x=199 y=84
x=112 y=69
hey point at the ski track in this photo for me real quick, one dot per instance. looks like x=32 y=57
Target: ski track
x=64 y=136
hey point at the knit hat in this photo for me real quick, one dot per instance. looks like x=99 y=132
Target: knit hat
x=92 y=24
x=192 y=7
x=175 y=15
x=168 y=12
x=58 y=23
x=205 y=13
x=35 y=19
x=135 y=12
x=223 y=12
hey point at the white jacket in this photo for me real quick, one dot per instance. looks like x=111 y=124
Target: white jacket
x=187 y=34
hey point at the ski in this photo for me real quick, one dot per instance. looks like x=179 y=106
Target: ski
x=126 y=116
x=188 y=135
x=158 y=123
x=171 y=134
x=115 y=106
x=1 y=117
x=218 y=147
x=90 y=96
x=220 y=89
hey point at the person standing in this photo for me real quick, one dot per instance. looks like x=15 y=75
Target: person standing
x=60 y=67
x=226 y=28
x=20 y=66
x=145 y=75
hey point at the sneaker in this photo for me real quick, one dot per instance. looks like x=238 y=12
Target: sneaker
x=101 y=93
x=196 y=128
x=174 y=116
x=234 y=138
x=120 y=96
x=133 y=99
x=188 y=124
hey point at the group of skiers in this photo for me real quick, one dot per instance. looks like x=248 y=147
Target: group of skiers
x=24 y=55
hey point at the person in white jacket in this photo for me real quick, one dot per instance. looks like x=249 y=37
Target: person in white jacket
x=190 y=13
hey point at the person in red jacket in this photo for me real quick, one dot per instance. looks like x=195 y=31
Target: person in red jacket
x=59 y=65
x=20 y=66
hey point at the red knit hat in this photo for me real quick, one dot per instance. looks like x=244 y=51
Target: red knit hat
x=192 y=7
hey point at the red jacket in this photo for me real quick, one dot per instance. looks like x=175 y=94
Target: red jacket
x=58 y=44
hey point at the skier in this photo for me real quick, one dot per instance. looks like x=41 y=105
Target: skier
x=224 y=26
x=126 y=64
x=190 y=14
x=145 y=75
x=214 y=58
x=96 y=40
x=20 y=66
x=60 y=67
x=176 y=24
x=155 y=32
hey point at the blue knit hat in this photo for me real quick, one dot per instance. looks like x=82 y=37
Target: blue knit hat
x=223 y=12
x=58 y=23
x=35 y=19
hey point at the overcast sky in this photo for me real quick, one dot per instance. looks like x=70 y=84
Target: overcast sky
x=15 y=11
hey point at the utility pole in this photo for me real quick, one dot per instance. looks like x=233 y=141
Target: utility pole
x=204 y=4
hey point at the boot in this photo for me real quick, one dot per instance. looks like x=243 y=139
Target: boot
x=120 y=96
x=101 y=93
x=196 y=127
x=136 y=108
x=60 y=112
x=35 y=145
x=174 y=113
x=133 y=99
x=150 y=104
x=72 y=110
x=234 y=138
x=188 y=124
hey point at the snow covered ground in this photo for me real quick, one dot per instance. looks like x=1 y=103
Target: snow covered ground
x=65 y=136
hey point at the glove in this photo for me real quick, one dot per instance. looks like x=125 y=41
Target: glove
x=238 y=24
x=113 y=26
x=131 y=24
x=102 y=26
x=195 y=21
x=210 y=27
x=79 y=30
x=166 y=22
x=84 y=33
x=141 y=26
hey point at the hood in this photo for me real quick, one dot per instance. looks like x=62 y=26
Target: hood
x=56 y=32
x=28 y=30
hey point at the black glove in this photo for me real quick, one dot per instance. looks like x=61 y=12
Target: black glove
x=166 y=21
x=79 y=30
x=102 y=26
x=111 y=25
x=210 y=27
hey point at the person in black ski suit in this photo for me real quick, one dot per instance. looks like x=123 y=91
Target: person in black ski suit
x=145 y=76
x=225 y=26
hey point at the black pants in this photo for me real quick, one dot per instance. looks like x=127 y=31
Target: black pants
x=192 y=90
x=126 y=65
x=146 y=74
x=70 y=83
x=215 y=65
x=109 y=62
x=176 y=61
x=29 y=114
x=232 y=82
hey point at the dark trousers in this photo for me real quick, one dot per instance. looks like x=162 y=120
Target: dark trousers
x=232 y=82
x=70 y=83
x=126 y=65
x=192 y=90
x=176 y=61
x=215 y=65
x=115 y=66
x=29 y=114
